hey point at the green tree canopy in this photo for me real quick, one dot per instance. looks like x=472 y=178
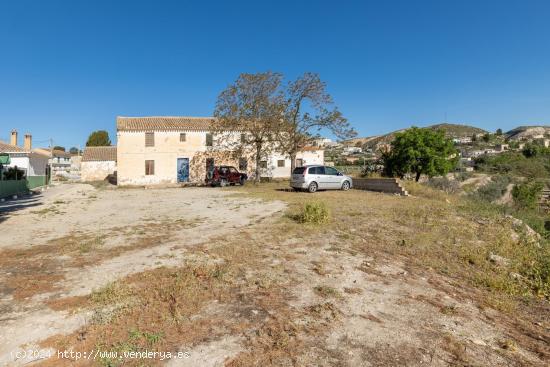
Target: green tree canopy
x=98 y=138
x=74 y=150
x=420 y=151
x=58 y=147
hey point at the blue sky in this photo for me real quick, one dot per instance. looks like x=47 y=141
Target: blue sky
x=70 y=67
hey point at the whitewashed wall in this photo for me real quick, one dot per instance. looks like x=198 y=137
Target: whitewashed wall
x=308 y=157
x=96 y=170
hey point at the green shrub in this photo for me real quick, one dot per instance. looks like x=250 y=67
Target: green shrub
x=314 y=213
x=526 y=195
x=493 y=190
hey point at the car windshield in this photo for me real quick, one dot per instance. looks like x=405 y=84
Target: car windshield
x=299 y=170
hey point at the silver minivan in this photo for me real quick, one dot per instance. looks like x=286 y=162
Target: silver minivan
x=315 y=177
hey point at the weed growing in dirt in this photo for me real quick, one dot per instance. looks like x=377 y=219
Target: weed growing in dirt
x=327 y=292
x=314 y=213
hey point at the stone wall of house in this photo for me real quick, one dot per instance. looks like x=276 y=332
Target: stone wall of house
x=97 y=170
x=387 y=185
x=132 y=154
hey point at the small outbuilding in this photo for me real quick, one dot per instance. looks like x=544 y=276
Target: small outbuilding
x=98 y=163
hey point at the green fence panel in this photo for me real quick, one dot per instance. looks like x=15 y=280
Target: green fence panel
x=36 y=181
x=12 y=187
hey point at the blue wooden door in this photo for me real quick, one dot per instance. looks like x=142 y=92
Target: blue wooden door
x=183 y=169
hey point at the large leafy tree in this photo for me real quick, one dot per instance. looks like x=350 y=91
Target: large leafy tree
x=308 y=109
x=420 y=151
x=252 y=105
x=98 y=138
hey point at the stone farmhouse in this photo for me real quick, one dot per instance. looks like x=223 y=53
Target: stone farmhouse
x=98 y=163
x=168 y=150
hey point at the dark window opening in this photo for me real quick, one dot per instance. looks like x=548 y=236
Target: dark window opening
x=149 y=168
x=243 y=164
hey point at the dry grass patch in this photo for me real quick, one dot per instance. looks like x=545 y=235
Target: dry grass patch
x=38 y=269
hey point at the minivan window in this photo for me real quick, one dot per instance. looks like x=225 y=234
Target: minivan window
x=316 y=170
x=331 y=171
x=298 y=170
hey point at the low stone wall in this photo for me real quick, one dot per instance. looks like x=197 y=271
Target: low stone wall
x=387 y=185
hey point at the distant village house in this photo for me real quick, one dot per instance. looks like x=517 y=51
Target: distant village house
x=33 y=163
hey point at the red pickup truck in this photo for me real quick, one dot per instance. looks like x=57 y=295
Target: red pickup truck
x=225 y=175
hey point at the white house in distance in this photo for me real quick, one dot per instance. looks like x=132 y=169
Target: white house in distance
x=278 y=165
x=171 y=149
x=33 y=163
x=60 y=161
x=98 y=163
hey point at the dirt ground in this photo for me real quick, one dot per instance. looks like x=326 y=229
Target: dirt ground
x=229 y=277
x=74 y=238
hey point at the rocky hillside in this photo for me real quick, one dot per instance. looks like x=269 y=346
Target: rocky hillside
x=451 y=130
x=527 y=132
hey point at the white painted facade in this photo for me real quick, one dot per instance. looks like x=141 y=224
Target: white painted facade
x=33 y=164
x=274 y=162
x=96 y=170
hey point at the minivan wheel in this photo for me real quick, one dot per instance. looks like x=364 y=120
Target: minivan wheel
x=345 y=186
x=312 y=187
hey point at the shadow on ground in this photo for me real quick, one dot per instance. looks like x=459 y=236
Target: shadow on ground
x=10 y=206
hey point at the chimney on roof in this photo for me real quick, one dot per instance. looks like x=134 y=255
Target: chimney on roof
x=13 y=140
x=28 y=142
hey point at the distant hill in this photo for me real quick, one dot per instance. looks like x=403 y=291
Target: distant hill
x=451 y=131
x=527 y=132
x=457 y=130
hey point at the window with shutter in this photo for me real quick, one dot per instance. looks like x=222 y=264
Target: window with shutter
x=149 y=139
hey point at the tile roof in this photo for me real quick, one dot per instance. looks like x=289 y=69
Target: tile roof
x=99 y=154
x=55 y=153
x=8 y=148
x=164 y=123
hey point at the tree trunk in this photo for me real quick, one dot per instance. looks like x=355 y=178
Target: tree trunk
x=417 y=176
x=258 y=158
x=292 y=162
